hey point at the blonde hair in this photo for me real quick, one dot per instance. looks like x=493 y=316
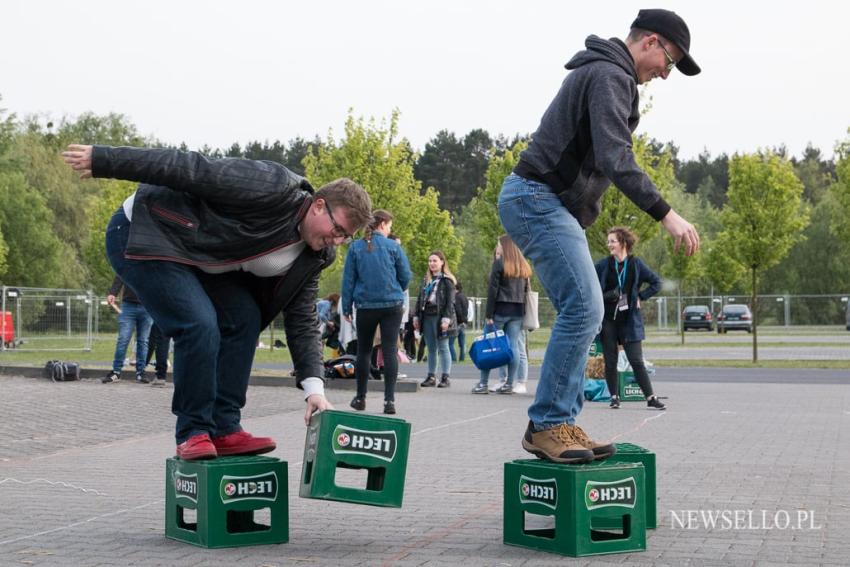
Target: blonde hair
x=515 y=264
x=439 y=254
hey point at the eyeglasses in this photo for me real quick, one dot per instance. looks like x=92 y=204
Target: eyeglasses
x=338 y=231
x=670 y=61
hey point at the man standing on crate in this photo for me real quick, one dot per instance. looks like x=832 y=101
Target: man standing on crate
x=583 y=144
x=215 y=249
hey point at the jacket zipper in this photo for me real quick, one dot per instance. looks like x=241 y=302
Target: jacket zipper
x=173 y=217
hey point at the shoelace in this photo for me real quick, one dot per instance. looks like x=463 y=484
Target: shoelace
x=582 y=437
x=565 y=435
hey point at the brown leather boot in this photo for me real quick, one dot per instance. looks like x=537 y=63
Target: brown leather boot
x=556 y=444
x=600 y=450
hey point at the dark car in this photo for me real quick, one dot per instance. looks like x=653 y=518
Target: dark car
x=735 y=317
x=697 y=317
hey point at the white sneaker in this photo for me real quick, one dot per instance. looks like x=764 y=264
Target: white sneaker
x=519 y=388
x=494 y=386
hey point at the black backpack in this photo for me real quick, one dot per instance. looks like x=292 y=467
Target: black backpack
x=342 y=367
x=59 y=371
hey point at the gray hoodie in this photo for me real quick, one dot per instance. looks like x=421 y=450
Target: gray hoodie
x=584 y=141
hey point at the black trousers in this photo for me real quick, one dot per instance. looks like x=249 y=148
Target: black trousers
x=158 y=343
x=368 y=320
x=611 y=335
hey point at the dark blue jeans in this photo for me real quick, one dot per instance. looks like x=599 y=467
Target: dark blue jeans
x=133 y=317
x=215 y=323
x=461 y=343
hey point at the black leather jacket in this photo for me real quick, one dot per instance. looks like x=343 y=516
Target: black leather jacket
x=503 y=288
x=445 y=304
x=202 y=212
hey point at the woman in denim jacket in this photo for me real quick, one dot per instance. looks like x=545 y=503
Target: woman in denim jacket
x=435 y=317
x=375 y=278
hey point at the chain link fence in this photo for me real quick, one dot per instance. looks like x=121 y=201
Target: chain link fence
x=36 y=319
x=665 y=312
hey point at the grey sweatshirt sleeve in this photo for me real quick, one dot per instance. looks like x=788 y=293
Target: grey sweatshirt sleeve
x=609 y=102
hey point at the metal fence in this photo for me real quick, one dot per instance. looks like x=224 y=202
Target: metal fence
x=46 y=319
x=665 y=312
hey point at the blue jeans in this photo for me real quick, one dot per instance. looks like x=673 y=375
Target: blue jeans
x=522 y=366
x=214 y=322
x=556 y=244
x=133 y=317
x=512 y=326
x=461 y=343
x=437 y=347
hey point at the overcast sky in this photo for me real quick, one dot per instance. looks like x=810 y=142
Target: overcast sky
x=217 y=72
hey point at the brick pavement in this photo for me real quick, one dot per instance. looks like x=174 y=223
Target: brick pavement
x=82 y=467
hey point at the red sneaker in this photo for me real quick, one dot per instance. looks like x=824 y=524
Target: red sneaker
x=243 y=443
x=197 y=447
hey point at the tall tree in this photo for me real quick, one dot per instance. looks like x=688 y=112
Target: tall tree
x=484 y=207
x=441 y=166
x=34 y=256
x=816 y=174
x=840 y=191
x=373 y=156
x=764 y=217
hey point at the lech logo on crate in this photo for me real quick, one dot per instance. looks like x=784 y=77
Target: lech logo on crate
x=618 y=493
x=257 y=487
x=537 y=491
x=186 y=486
x=632 y=390
x=378 y=444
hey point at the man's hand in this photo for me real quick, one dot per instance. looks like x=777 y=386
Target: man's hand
x=110 y=299
x=79 y=158
x=316 y=403
x=683 y=232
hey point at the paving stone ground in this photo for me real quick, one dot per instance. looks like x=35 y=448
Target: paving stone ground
x=82 y=476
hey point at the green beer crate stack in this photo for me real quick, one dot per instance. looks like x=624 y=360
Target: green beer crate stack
x=212 y=503
x=575 y=510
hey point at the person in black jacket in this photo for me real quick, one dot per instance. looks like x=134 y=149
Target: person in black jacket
x=622 y=276
x=582 y=146
x=132 y=316
x=461 y=309
x=435 y=317
x=215 y=249
x=506 y=293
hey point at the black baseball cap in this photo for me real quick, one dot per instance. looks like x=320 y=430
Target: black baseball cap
x=673 y=27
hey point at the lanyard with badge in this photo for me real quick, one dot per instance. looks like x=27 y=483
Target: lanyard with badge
x=623 y=301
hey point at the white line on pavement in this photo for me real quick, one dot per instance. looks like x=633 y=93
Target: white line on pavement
x=92 y=519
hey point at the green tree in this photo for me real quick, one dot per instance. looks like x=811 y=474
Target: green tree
x=815 y=173
x=4 y=251
x=484 y=208
x=35 y=254
x=372 y=156
x=840 y=192
x=111 y=129
x=763 y=218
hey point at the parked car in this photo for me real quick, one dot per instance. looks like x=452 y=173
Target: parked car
x=848 y=316
x=735 y=317
x=697 y=317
